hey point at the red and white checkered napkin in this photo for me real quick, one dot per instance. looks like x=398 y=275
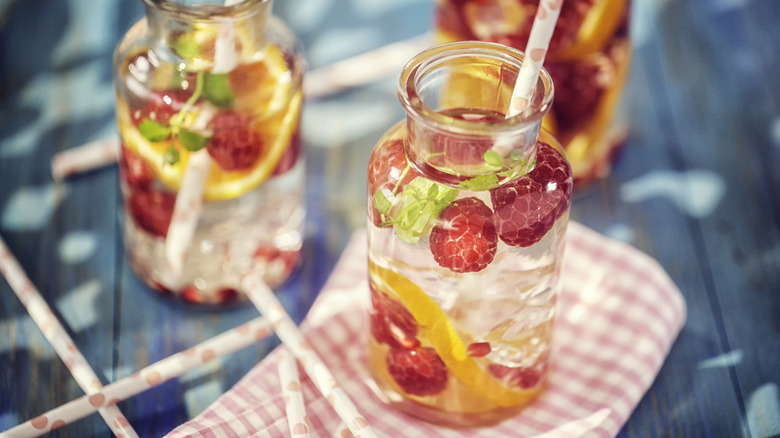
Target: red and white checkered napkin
x=620 y=313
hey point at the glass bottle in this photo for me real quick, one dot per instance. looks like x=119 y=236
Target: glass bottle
x=467 y=212
x=221 y=83
x=588 y=60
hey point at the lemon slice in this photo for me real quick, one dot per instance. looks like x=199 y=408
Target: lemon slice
x=596 y=30
x=445 y=340
x=276 y=122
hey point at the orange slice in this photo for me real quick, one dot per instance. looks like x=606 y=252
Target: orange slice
x=276 y=122
x=582 y=146
x=443 y=337
x=596 y=30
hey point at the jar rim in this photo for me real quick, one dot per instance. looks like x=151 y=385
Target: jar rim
x=419 y=65
x=202 y=11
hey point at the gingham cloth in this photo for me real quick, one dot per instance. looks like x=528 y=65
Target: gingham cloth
x=620 y=313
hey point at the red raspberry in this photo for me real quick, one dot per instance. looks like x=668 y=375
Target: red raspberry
x=161 y=106
x=578 y=90
x=523 y=377
x=152 y=210
x=478 y=349
x=196 y=296
x=418 y=371
x=234 y=145
x=464 y=237
x=391 y=323
x=134 y=170
x=385 y=167
x=527 y=207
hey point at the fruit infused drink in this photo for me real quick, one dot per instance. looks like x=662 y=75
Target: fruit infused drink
x=175 y=99
x=588 y=60
x=467 y=212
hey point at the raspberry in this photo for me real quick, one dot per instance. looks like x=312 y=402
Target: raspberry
x=578 y=90
x=464 y=238
x=196 y=296
x=385 y=168
x=161 y=106
x=418 y=371
x=135 y=172
x=152 y=210
x=234 y=145
x=527 y=208
x=523 y=377
x=478 y=349
x=390 y=322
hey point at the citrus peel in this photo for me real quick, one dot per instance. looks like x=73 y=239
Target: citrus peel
x=443 y=337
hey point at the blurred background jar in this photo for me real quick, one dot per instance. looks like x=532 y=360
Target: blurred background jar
x=225 y=79
x=588 y=60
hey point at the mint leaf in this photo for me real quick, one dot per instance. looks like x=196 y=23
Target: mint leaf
x=381 y=203
x=216 y=89
x=171 y=156
x=418 y=207
x=154 y=131
x=493 y=158
x=482 y=182
x=192 y=141
x=186 y=46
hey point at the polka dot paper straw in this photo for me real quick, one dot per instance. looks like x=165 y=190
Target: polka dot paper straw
x=264 y=299
x=535 y=52
x=348 y=73
x=293 y=396
x=81 y=159
x=62 y=343
x=148 y=377
x=186 y=210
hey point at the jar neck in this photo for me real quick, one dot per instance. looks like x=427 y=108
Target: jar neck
x=455 y=96
x=173 y=21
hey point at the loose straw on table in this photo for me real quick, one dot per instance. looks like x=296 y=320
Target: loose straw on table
x=264 y=299
x=146 y=378
x=535 y=52
x=66 y=349
x=293 y=394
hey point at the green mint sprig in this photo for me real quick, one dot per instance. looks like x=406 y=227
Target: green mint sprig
x=518 y=166
x=415 y=210
x=214 y=88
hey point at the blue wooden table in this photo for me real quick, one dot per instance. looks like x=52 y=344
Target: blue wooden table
x=697 y=186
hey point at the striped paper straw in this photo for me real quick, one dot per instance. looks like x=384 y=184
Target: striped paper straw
x=148 y=377
x=293 y=394
x=264 y=299
x=66 y=349
x=535 y=52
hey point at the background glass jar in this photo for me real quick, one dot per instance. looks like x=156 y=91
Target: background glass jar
x=467 y=212
x=175 y=99
x=588 y=60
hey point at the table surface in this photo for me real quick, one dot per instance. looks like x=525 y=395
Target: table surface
x=697 y=187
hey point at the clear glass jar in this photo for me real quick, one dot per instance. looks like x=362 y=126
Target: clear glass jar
x=588 y=59
x=467 y=213
x=194 y=77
